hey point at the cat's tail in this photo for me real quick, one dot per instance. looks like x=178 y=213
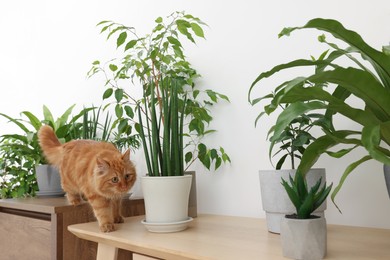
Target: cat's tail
x=50 y=145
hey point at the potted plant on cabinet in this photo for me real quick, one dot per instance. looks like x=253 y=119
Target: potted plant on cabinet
x=292 y=141
x=170 y=113
x=24 y=169
x=360 y=93
x=304 y=235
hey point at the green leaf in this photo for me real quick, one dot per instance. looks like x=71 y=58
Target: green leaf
x=286 y=31
x=292 y=64
x=371 y=138
x=34 y=121
x=159 y=20
x=118 y=94
x=174 y=41
x=103 y=22
x=353 y=39
x=183 y=26
x=121 y=39
x=197 y=30
x=118 y=111
x=188 y=157
x=130 y=44
x=64 y=117
x=107 y=93
x=318 y=147
x=129 y=111
x=349 y=169
x=293 y=111
x=47 y=115
x=113 y=67
x=356 y=81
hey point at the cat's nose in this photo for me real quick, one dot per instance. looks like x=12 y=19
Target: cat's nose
x=122 y=187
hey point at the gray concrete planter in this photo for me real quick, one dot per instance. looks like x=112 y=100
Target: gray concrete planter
x=386 y=171
x=49 y=181
x=275 y=200
x=304 y=238
x=192 y=202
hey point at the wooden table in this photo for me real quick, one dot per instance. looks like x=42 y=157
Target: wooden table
x=224 y=237
x=36 y=228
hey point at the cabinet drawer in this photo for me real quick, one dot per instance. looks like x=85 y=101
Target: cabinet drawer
x=24 y=238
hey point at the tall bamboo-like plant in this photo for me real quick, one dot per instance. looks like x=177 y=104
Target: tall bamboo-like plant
x=368 y=81
x=154 y=63
x=162 y=135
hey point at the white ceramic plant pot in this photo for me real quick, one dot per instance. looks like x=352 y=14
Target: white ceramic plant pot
x=49 y=181
x=166 y=202
x=304 y=238
x=275 y=200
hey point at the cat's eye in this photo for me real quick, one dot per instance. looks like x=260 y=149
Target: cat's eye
x=127 y=177
x=115 y=179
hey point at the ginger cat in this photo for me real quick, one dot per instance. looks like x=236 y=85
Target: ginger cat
x=93 y=170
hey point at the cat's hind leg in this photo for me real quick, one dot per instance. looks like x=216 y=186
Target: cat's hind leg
x=74 y=198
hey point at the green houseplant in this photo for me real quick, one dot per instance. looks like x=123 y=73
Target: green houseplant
x=22 y=162
x=170 y=113
x=332 y=89
x=21 y=155
x=291 y=144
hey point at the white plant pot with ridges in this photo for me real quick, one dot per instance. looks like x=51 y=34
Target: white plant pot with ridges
x=275 y=200
x=166 y=198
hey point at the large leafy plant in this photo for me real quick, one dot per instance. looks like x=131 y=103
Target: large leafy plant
x=156 y=65
x=296 y=135
x=20 y=153
x=366 y=79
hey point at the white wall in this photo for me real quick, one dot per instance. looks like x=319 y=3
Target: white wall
x=46 y=48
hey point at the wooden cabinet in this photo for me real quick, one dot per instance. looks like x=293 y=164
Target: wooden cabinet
x=36 y=228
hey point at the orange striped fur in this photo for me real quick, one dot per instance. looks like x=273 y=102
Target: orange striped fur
x=93 y=170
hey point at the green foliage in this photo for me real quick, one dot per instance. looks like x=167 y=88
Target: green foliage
x=367 y=81
x=20 y=153
x=305 y=201
x=17 y=173
x=156 y=61
x=292 y=129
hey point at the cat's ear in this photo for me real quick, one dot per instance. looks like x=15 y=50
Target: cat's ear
x=126 y=156
x=102 y=164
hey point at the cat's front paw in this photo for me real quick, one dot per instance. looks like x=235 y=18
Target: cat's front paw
x=107 y=227
x=119 y=219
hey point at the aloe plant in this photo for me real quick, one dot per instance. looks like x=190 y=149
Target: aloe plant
x=305 y=201
x=152 y=64
x=368 y=81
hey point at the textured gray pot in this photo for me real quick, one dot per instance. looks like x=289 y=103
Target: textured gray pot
x=386 y=170
x=304 y=238
x=192 y=202
x=49 y=181
x=275 y=200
